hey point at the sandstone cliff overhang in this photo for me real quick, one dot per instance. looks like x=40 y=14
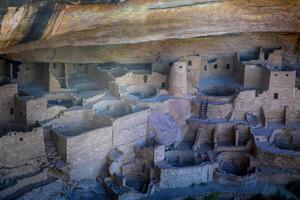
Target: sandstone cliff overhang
x=43 y=24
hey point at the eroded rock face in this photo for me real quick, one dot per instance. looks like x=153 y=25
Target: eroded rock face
x=43 y=24
x=163 y=130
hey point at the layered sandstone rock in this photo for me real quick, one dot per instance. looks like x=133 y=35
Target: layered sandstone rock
x=42 y=24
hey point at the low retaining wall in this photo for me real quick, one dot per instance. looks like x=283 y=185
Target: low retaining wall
x=172 y=177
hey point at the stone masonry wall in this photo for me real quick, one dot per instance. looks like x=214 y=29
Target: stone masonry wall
x=101 y=77
x=37 y=110
x=129 y=130
x=30 y=73
x=282 y=83
x=225 y=133
x=253 y=76
x=20 y=110
x=56 y=76
x=7 y=102
x=239 y=68
x=246 y=103
x=186 y=176
x=194 y=64
x=87 y=152
x=178 y=79
x=153 y=79
x=292 y=113
x=275 y=58
x=206 y=135
x=217 y=66
x=219 y=111
x=287 y=161
x=22 y=153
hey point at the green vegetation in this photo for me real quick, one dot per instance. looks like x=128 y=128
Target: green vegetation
x=212 y=196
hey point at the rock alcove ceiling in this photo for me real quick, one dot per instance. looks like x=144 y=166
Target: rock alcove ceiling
x=31 y=25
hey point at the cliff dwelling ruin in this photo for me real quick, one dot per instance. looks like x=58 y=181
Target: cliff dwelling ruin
x=156 y=99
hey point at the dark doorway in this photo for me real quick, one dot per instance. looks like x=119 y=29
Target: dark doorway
x=15 y=69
